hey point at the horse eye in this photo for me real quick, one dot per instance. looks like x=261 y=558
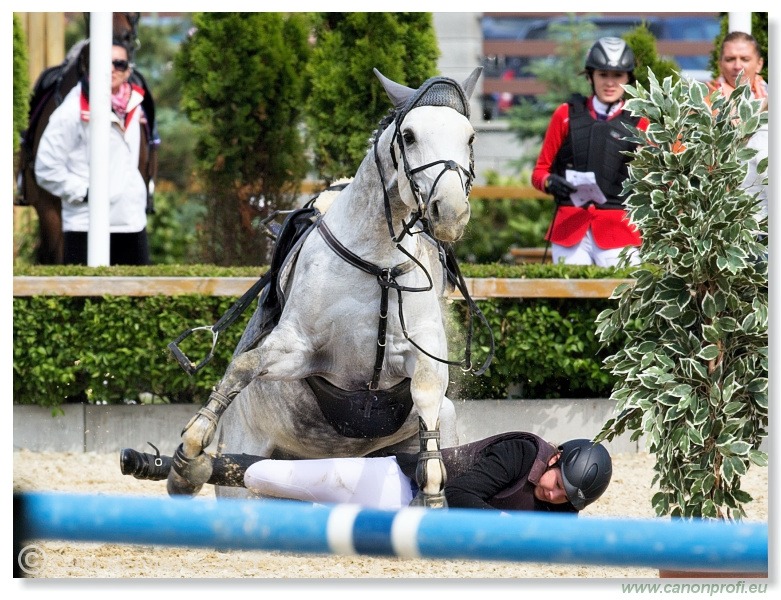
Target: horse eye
x=471 y=139
x=409 y=137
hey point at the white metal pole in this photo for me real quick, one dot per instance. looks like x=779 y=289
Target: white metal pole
x=739 y=21
x=98 y=237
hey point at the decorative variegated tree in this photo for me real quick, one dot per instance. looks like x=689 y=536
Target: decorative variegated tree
x=693 y=375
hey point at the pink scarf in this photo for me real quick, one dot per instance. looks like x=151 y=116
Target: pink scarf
x=758 y=87
x=120 y=99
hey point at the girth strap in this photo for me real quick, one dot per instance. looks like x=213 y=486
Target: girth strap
x=363 y=413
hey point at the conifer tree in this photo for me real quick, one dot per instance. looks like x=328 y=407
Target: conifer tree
x=347 y=102
x=21 y=83
x=242 y=77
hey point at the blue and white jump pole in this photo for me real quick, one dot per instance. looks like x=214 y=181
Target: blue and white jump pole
x=408 y=533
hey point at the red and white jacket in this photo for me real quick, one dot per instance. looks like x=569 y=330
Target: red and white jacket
x=609 y=228
x=62 y=164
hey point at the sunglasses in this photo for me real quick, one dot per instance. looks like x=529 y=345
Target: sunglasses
x=120 y=65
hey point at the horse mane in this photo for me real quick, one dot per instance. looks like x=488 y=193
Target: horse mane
x=382 y=126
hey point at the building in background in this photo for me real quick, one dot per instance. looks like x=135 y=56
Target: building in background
x=506 y=43
x=512 y=41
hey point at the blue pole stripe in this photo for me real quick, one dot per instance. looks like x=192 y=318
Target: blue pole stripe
x=372 y=532
x=411 y=532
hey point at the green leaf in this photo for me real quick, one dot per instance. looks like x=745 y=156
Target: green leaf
x=670 y=312
x=681 y=390
x=758 y=457
x=740 y=448
x=695 y=436
x=709 y=306
x=758 y=384
x=696 y=93
x=710 y=352
x=711 y=334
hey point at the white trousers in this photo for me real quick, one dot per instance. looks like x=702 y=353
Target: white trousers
x=369 y=482
x=586 y=252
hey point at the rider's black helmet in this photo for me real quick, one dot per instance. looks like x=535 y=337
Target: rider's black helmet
x=585 y=470
x=610 y=54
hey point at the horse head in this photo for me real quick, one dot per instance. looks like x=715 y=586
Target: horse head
x=124 y=29
x=432 y=143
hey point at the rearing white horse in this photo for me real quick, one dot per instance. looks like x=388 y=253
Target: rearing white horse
x=358 y=359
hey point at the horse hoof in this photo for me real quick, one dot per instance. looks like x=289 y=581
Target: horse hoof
x=179 y=486
x=188 y=475
x=429 y=500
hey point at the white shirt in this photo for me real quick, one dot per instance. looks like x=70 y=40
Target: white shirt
x=62 y=165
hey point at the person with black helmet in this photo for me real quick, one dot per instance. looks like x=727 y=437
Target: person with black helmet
x=587 y=135
x=509 y=471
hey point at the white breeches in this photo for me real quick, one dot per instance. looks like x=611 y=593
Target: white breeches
x=369 y=482
x=586 y=252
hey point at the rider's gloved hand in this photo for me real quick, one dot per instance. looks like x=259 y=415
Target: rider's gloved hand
x=557 y=186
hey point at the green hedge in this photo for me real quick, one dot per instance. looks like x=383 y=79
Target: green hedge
x=544 y=348
x=113 y=349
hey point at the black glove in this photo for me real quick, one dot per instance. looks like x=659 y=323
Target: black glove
x=557 y=186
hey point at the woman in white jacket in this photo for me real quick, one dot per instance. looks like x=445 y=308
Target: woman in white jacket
x=62 y=167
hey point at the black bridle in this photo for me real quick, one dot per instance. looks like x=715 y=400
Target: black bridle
x=387 y=277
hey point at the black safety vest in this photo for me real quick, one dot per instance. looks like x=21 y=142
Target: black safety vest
x=518 y=496
x=597 y=146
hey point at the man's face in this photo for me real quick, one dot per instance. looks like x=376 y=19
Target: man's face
x=738 y=56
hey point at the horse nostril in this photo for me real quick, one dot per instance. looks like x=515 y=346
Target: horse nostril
x=434 y=208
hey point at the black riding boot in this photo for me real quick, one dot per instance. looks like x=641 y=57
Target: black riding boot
x=227 y=469
x=143 y=465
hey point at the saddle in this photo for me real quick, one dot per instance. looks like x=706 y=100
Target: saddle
x=352 y=413
x=290 y=237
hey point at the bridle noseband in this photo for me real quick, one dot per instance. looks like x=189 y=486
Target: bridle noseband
x=448 y=165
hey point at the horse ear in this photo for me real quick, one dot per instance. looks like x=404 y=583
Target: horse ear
x=398 y=94
x=471 y=81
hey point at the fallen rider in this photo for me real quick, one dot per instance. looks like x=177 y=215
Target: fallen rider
x=509 y=471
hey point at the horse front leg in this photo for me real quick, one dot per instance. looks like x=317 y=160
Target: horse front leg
x=428 y=390
x=191 y=468
x=279 y=357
